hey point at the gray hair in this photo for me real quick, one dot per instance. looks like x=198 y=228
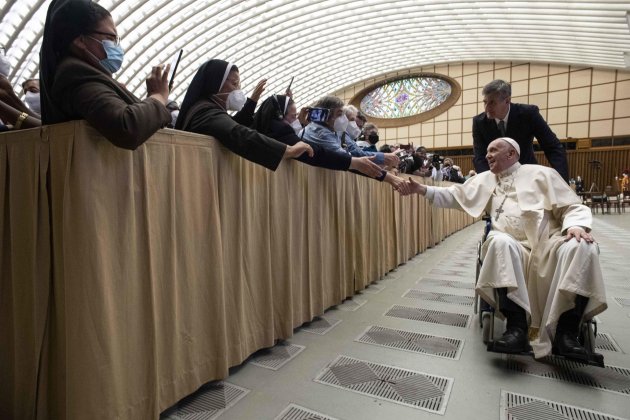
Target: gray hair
x=329 y=102
x=499 y=86
x=369 y=126
x=350 y=109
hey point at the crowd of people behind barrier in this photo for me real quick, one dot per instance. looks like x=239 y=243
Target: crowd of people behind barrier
x=81 y=51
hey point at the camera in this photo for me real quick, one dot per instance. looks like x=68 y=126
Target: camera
x=318 y=114
x=406 y=165
x=436 y=160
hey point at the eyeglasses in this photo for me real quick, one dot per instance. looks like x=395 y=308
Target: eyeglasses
x=113 y=37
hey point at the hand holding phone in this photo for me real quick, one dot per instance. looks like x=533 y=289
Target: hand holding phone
x=288 y=91
x=318 y=114
x=174 y=65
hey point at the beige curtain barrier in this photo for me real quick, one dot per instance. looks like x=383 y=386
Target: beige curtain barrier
x=129 y=279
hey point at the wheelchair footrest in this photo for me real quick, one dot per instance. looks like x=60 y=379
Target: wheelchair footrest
x=491 y=347
x=593 y=359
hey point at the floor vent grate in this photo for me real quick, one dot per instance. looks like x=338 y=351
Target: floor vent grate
x=320 y=325
x=604 y=341
x=210 y=401
x=610 y=378
x=449 y=348
x=439 y=297
x=401 y=386
x=277 y=356
x=452 y=273
x=445 y=283
x=297 y=412
x=524 y=407
x=428 y=315
x=623 y=302
x=464 y=255
x=351 y=305
x=459 y=263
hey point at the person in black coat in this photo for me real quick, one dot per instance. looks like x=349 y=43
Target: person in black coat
x=214 y=90
x=518 y=121
x=277 y=118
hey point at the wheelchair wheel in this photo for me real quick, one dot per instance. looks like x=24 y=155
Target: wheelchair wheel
x=487 y=326
x=477 y=270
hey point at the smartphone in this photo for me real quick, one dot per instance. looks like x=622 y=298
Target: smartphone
x=290 y=83
x=174 y=64
x=318 y=114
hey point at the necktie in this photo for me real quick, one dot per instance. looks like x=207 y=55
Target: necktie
x=502 y=128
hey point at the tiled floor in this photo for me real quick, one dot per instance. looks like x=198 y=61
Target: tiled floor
x=409 y=347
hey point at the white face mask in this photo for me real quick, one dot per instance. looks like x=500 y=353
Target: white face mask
x=174 y=115
x=235 y=100
x=341 y=123
x=353 y=130
x=5 y=65
x=32 y=100
x=297 y=127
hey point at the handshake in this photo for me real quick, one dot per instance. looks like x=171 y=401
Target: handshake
x=408 y=187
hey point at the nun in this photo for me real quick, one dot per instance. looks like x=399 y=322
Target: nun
x=80 y=52
x=277 y=118
x=215 y=90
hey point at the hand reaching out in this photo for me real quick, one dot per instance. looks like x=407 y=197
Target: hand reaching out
x=415 y=187
x=395 y=181
x=297 y=150
x=303 y=117
x=366 y=166
x=258 y=90
x=391 y=160
x=157 y=83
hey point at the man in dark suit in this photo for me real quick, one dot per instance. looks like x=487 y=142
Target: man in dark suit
x=518 y=121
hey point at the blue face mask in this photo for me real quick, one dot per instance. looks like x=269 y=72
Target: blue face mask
x=115 y=55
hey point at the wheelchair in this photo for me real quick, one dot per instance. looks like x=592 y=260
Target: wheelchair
x=486 y=315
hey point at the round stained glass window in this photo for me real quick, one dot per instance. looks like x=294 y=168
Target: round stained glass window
x=406 y=97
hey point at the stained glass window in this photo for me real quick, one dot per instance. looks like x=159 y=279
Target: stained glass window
x=406 y=97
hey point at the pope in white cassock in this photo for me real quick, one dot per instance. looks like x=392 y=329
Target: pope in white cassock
x=539 y=257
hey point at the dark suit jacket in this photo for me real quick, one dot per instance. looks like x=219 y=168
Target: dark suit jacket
x=82 y=92
x=524 y=123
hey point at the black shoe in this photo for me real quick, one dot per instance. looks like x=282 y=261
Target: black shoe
x=566 y=344
x=514 y=340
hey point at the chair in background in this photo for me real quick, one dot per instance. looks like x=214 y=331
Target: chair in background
x=612 y=199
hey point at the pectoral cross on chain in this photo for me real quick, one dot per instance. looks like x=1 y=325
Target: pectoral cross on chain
x=500 y=209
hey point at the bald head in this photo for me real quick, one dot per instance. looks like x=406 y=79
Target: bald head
x=502 y=153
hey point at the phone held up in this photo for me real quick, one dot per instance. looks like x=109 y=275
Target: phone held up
x=174 y=64
x=318 y=114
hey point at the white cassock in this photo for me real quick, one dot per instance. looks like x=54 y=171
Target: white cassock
x=525 y=251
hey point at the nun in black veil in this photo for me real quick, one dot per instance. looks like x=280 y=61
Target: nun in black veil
x=214 y=90
x=80 y=52
x=277 y=118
